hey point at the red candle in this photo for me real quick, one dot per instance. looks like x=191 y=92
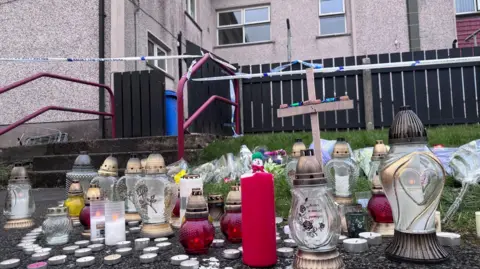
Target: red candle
x=258 y=220
x=379 y=208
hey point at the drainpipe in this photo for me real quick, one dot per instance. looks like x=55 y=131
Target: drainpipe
x=353 y=22
x=137 y=8
x=179 y=42
x=101 y=64
x=289 y=42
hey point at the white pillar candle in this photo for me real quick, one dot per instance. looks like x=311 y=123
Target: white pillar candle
x=355 y=245
x=114 y=223
x=448 y=239
x=373 y=239
x=438 y=222
x=477 y=219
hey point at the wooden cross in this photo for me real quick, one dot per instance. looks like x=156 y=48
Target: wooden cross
x=313 y=110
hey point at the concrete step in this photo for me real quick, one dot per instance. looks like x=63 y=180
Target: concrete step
x=140 y=144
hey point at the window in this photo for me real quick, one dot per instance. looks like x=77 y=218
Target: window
x=192 y=8
x=156 y=50
x=332 y=17
x=467 y=6
x=243 y=25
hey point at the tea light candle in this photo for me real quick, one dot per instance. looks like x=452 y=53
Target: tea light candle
x=31 y=250
x=29 y=237
x=85 y=261
x=114 y=222
x=57 y=260
x=161 y=239
x=112 y=259
x=82 y=243
x=231 y=254
x=11 y=263
x=373 y=239
x=99 y=240
x=218 y=243
x=134 y=230
x=438 y=222
x=141 y=243
x=133 y=223
x=40 y=256
x=189 y=264
x=37 y=265
x=124 y=244
x=36 y=234
x=124 y=251
x=44 y=250
x=23 y=245
x=178 y=259
x=96 y=247
x=82 y=252
x=151 y=250
x=448 y=239
x=290 y=243
x=148 y=257
x=355 y=245
x=477 y=219
x=164 y=246
x=70 y=249
x=28 y=241
x=285 y=252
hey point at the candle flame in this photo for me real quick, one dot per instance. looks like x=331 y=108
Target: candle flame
x=97 y=214
x=412 y=181
x=114 y=217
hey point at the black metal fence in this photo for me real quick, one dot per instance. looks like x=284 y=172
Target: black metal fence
x=139 y=103
x=439 y=94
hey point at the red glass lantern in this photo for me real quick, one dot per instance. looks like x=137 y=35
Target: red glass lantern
x=231 y=221
x=197 y=232
x=379 y=208
x=93 y=194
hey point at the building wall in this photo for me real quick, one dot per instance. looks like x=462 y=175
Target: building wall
x=437 y=24
x=466 y=25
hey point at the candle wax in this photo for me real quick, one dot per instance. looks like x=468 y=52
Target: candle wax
x=114 y=231
x=342 y=185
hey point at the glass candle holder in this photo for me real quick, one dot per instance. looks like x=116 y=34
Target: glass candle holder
x=93 y=194
x=97 y=219
x=357 y=222
x=215 y=206
x=114 y=222
x=82 y=171
x=197 y=232
x=291 y=166
x=124 y=187
x=231 y=221
x=107 y=177
x=75 y=201
x=187 y=184
x=57 y=226
x=19 y=201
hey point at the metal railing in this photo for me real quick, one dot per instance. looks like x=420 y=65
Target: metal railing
x=47 y=108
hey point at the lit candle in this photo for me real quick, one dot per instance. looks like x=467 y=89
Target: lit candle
x=477 y=219
x=438 y=222
x=342 y=184
x=373 y=239
x=97 y=219
x=448 y=239
x=355 y=245
x=114 y=223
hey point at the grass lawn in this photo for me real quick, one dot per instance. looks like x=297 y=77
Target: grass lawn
x=449 y=136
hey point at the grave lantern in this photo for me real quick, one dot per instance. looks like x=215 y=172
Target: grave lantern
x=154 y=197
x=231 y=221
x=378 y=206
x=124 y=187
x=82 y=171
x=412 y=179
x=57 y=226
x=75 y=201
x=314 y=220
x=107 y=177
x=93 y=194
x=297 y=147
x=19 y=201
x=197 y=232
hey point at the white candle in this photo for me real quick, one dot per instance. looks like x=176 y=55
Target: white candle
x=57 y=260
x=20 y=207
x=231 y=254
x=278 y=220
x=190 y=264
x=112 y=259
x=341 y=238
x=178 y=259
x=342 y=185
x=477 y=219
x=218 y=243
x=85 y=261
x=151 y=250
x=82 y=243
x=148 y=257
x=11 y=263
x=70 y=249
x=285 y=252
x=114 y=223
x=97 y=219
x=290 y=243
x=373 y=239
x=40 y=256
x=448 y=239
x=438 y=222
x=164 y=246
x=355 y=245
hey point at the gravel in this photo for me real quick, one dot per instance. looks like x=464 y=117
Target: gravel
x=467 y=255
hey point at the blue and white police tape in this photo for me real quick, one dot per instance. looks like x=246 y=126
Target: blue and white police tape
x=120 y=59
x=307 y=64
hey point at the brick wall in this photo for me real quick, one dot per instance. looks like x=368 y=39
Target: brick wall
x=465 y=27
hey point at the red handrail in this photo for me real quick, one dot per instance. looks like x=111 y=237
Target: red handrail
x=180 y=121
x=43 y=110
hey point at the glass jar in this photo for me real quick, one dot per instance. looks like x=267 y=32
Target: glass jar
x=124 y=187
x=82 y=171
x=107 y=177
x=57 y=226
x=231 y=221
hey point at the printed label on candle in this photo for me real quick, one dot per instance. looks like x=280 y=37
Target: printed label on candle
x=311 y=221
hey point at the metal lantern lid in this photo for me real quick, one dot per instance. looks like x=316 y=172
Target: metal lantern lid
x=134 y=165
x=155 y=164
x=143 y=163
x=94 y=193
x=309 y=171
x=57 y=211
x=196 y=205
x=407 y=128
x=297 y=147
x=215 y=198
x=379 y=151
x=109 y=167
x=340 y=149
x=75 y=189
x=83 y=163
x=19 y=175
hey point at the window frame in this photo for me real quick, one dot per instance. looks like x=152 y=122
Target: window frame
x=157 y=44
x=189 y=9
x=242 y=24
x=333 y=14
x=477 y=8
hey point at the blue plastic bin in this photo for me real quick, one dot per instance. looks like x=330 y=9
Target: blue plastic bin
x=171 y=113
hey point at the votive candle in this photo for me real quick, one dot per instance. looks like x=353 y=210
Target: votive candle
x=114 y=222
